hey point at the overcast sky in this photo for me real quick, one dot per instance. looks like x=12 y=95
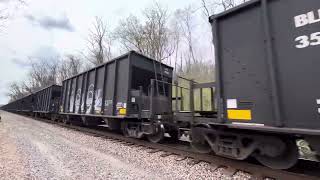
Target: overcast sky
x=47 y=28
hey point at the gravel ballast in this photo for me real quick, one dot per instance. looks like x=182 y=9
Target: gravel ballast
x=30 y=149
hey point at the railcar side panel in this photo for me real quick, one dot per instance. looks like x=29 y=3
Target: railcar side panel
x=110 y=89
x=98 y=96
x=267 y=56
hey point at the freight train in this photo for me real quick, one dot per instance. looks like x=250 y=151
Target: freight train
x=265 y=96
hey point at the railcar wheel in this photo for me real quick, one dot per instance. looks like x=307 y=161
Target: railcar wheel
x=125 y=132
x=65 y=120
x=158 y=136
x=286 y=160
x=124 y=129
x=84 y=121
x=198 y=141
x=53 y=118
x=201 y=146
x=174 y=134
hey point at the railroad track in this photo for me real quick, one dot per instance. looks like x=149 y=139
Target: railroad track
x=185 y=152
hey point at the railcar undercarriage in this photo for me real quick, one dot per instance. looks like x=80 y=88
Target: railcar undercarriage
x=272 y=150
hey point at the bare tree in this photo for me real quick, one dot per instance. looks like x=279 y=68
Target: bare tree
x=16 y=91
x=211 y=7
x=43 y=72
x=69 y=66
x=151 y=37
x=99 y=42
x=185 y=21
x=75 y=64
x=157 y=34
x=176 y=40
x=131 y=34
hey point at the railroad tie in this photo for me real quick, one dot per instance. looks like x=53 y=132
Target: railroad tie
x=230 y=171
x=181 y=158
x=214 y=166
x=256 y=176
x=193 y=162
x=166 y=154
x=153 y=151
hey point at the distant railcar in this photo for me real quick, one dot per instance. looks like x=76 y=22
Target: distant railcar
x=23 y=105
x=47 y=101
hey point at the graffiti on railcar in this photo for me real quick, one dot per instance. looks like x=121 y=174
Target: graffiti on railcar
x=98 y=101
x=89 y=98
x=78 y=99
x=71 y=101
x=82 y=102
x=89 y=101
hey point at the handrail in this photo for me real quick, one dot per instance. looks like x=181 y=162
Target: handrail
x=172 y=84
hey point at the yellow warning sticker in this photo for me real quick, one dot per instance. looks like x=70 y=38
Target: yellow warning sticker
x=239 y=115
x=123 y=111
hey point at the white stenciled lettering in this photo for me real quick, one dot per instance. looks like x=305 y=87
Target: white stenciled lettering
x=301 y=20
x=312 y=19
x=308 y=18
x=303 y=42
x=315 y=39
x=306 y=41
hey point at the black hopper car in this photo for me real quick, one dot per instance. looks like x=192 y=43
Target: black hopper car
x=131 y=93
x=22 y=106
x=47 y=101
x=264 y=99
x=268 y=96
x=43 y=103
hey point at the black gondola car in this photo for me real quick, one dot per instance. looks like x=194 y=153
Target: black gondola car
x=46 y=102
x=267 y=59
x=121 y=90
x=22 y=106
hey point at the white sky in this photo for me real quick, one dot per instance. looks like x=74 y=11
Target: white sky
x=23 y=38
